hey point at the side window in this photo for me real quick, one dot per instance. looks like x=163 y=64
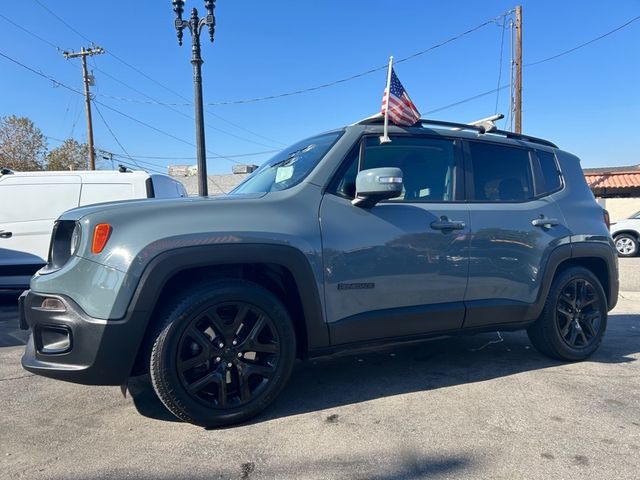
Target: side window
x=500 y=174
x=550 y=172
x=427 y=165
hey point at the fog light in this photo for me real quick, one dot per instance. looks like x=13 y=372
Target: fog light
x=54 y=339
x=53 y=304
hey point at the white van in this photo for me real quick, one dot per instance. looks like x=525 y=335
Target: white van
x=31 y=201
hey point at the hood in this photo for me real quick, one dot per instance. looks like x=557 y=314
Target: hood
x=148 y=205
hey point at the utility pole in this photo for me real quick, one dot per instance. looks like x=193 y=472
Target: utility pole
x=195 y=25
x=518 y=64
x=84 y=52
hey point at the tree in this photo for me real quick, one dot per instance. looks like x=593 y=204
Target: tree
x=22 y=144
x=71 y=155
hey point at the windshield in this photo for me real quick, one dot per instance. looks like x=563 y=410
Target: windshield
x=635 y=215
x=290 y=166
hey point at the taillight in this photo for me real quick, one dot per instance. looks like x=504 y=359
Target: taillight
x=607 y=220
x=100 y=237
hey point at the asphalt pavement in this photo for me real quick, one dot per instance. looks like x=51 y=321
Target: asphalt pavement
x=468 y=407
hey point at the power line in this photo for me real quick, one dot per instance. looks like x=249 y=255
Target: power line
x=29 y=32
x=468 y=99
x=150 y=78
x=159 y=157
x=60 y=84
x=336 y=82
x=577 y=47
x=114 y=135
x=62 y=21
x=127 y=153
x=504 y=25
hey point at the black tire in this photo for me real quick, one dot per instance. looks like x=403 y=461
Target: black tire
x=208 y=385
x=574 y=317
x=626 y=245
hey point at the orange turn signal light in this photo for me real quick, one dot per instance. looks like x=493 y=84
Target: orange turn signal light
x=100 y=236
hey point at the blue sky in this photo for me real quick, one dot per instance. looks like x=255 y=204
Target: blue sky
x=587 y=101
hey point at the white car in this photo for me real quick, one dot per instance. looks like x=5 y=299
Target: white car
x=626 y=234
x=31 y=201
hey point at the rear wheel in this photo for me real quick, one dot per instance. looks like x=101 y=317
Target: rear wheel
x=223 y=353
x=626 y=245
x=574 y=317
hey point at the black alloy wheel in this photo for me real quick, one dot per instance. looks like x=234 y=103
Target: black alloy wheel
x=222 y=353
x=574 y=317
x=578 y=313
x=228 y=354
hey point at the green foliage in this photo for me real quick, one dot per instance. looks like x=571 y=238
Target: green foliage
x=22 y=144
x=71 y=155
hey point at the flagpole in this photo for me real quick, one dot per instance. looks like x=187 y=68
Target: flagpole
x=385 y=137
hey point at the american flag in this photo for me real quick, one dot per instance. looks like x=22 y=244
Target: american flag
x=402 y=111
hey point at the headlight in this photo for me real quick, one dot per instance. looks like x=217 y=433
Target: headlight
x=75 y=240
x=65 y=241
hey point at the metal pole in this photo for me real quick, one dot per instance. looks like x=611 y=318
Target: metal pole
x=196 y=61
x=84 y=52
x=385 y=137
x=87 y=100
x=518 y=80
x=195 y=25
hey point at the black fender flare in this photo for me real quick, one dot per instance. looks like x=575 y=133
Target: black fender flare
x=573 y=251
x=168 y=263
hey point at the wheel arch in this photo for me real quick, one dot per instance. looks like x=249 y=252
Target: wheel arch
x=283 y=270
x=634 y=233
x=598 y=257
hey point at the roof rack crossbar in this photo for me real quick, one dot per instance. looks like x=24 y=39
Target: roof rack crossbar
x=466 y=126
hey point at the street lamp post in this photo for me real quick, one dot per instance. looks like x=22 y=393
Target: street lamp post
x=195 y=25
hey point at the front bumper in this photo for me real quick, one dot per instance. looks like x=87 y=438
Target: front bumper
x=67 y=344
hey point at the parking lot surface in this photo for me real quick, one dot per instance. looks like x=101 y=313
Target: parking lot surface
x=469 y=407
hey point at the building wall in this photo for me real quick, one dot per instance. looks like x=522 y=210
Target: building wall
x=218 y=184
x=620 y=208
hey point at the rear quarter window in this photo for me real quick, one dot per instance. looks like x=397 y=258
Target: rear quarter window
x=550 y=171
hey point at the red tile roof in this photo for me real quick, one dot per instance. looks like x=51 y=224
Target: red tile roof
x=614 y=180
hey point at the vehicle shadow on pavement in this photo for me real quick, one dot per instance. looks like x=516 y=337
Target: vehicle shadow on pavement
x=404 y=465
x=332 y=382
x=327 y=383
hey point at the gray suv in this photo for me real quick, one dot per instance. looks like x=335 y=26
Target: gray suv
x=340 y=241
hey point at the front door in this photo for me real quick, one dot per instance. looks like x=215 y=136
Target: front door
x=399 y=268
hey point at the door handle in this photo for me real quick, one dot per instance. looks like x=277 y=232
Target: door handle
x=445 y=224
x=4 y=234
x=543 y=222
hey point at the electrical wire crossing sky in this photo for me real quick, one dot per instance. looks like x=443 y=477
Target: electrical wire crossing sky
x=263 y=91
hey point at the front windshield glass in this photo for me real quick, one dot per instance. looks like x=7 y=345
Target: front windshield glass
x=290 y=166
x=635 y=215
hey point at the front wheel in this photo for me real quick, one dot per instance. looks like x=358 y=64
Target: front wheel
x=626 y=245
x=223 y=353
x=574 y=316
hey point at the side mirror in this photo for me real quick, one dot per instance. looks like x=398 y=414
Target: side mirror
x=377 y=184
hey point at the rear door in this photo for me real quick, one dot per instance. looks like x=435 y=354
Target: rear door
x=515 y=224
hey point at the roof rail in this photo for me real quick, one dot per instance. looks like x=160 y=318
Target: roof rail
x=481 y=129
